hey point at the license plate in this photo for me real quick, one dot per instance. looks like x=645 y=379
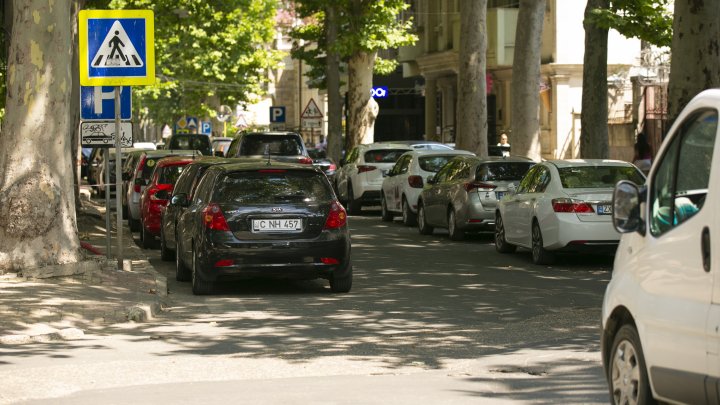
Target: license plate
x=604 y=209
x=499 y=195
x=277 y=225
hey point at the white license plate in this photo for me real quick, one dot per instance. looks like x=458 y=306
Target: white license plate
x=604 y=209
x=277 y=225
x=499 y=195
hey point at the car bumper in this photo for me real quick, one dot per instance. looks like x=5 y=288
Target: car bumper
x=567 y=232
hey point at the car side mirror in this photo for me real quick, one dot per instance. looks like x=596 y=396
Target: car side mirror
x=180 y=200
x=626 y=208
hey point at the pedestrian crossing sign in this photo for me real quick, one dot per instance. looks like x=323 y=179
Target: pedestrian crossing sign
x=116 y=47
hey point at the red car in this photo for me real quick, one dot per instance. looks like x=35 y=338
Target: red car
x=156 y=195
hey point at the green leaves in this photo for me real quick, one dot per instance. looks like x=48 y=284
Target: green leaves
x=648 y=20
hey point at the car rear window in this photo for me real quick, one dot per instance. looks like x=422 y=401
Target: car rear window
x=149 y=167
x=433 y=163
x=502 y=171
x=384 y=155
x=190 y=142
x=170 y=174
x=271 y=186
x=276 y=145
x=598 y=177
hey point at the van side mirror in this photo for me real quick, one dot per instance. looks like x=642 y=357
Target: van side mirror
x=626 y=207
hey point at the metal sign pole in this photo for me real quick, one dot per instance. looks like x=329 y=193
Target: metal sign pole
x=106 y=193
x=118 y=179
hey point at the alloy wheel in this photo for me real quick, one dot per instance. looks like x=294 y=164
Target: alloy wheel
x=625 y=374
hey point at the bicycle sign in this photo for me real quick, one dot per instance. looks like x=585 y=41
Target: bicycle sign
x=102 y=134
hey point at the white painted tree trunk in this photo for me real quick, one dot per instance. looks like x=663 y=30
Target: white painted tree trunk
x=695 y=52
x=363 y=109
x=472 y=123
x=37 y=207
x=594 y=142
x=525 y=102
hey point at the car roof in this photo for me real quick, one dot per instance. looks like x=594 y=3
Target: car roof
x=511 y=158
x=274 y=133
x=174 y=160
x=221 y=138
x=413 y=142
x=441 y=152
x=562 y=163
x=383 y=145
x=165 y=152
x=259 y=164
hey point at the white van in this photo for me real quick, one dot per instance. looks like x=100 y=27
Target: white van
x=661 y=312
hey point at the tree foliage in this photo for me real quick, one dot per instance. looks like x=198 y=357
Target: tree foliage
x=648 y=20
x=206 y=52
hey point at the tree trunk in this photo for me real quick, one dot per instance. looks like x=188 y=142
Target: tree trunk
x=75 y=106
x=362 y=108
x=695 y=52
x=37 y=207
x=525 y=102
x=594 y=118
x=335 y=101
x=472 y=123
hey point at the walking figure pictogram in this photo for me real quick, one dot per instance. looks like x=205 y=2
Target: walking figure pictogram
x=116 y=50
x=115 y=44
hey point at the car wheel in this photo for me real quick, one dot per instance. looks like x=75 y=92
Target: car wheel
x=354 y=206
x=133 y=224
x=409 y=218
x=423 y=227
x=146 y=238
x=182 y=273
x=199 y=286
x=165 y=253
x=501 y=245
x=627 y=374
x=456 y=234
x=342 y=284
x=385 y=215
x=539 y=254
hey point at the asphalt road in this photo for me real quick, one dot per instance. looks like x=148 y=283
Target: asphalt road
x=428 y=321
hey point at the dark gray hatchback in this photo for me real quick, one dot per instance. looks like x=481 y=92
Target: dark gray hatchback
x=254 y=219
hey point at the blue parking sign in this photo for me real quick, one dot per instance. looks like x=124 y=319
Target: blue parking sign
x=98 y=103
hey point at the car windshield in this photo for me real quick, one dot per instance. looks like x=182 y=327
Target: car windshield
x=383 y=155
x=190 y=142
x=170 y=174
x=272 y=186
x=503 y=171
x=276 y=145
x=433 y=163
x=598 y=176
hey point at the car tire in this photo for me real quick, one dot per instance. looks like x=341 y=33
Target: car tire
x=165 y=253
x=133 y=224
x=627 y=374
x=454 y=232
x=354 y=206
x=423 y=227
x=199 y=286
x=409 y=218
x=385 y=215
x=539 y=254
x=147 y=240
x=502 y=245
x=342 y=284
x=182 y=273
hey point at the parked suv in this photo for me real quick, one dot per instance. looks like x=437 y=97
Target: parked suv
x=281 y=146
x=197 y=142
x=661 y=312
x=360 y=177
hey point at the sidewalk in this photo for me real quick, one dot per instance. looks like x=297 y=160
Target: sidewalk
x=61 y=302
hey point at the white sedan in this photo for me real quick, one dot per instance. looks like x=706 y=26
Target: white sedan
x=563 y=205
x=405 y=181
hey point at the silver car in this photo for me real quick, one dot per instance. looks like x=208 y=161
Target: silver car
x=463 y=195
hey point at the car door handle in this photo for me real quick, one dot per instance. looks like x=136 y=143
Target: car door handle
x=705 y=246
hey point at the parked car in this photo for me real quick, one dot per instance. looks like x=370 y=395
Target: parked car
x=198 y=142
x=404 y=182
x=145 y=145
x=463 y=195
x=281 y=146
x=139 y=178
x=185 y=185
x=660 y=315
x=156 y=195
x=359 y=180
x=85 y=162
x=252 y=219
x=220 y=145
x=320 y=159
x=562 y=206
x=422 y=144
x=97 y=168
x=128 y=169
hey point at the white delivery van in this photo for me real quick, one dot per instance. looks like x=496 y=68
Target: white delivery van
x=661 y=312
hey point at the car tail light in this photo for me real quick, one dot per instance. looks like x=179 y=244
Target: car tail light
x=329 y=260
x=365 y=168
x=306 y=160
x=136 y=188
x=159 y=187
x=332 y=167
x=214 y=218
x=224 y=263
x=415 y=181
x=570 y=205
x=337 y=218
x=473 y=185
